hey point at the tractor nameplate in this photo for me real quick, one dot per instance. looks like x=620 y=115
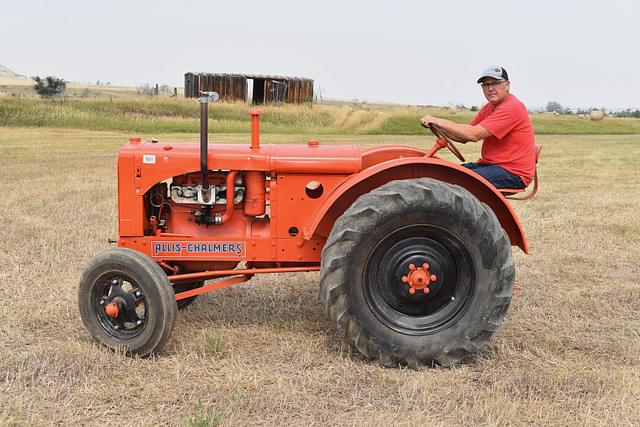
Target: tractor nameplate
x=188 y=249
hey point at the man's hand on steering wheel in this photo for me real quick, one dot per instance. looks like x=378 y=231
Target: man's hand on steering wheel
x=429 y=122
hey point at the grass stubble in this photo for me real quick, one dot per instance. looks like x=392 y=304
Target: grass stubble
x=263 y=353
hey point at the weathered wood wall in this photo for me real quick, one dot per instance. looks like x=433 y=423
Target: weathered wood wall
x=233 y=87
x=230 y=87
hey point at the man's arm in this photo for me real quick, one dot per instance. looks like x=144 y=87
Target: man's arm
x=457 y=131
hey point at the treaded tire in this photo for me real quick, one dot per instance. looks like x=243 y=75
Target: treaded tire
x=411 y=222
x=146 y=296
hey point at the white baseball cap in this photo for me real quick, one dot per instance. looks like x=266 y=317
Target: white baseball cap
x=495 y=72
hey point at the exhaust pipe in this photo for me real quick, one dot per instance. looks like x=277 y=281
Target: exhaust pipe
x=204 y=148
x=204 y=143
x=204 y=138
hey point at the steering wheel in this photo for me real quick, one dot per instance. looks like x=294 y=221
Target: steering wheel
x=444 y=141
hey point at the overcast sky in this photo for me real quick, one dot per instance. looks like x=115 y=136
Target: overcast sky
x=578 y=53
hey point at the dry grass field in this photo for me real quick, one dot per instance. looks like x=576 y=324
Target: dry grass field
x=263 y=353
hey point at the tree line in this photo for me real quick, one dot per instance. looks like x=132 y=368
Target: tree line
x=556 y=107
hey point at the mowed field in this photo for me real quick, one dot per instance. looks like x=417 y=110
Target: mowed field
x=264 y=353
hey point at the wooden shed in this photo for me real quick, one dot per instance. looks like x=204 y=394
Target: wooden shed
x=253 y=88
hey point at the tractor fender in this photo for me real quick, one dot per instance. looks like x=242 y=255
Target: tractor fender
x=408 y=168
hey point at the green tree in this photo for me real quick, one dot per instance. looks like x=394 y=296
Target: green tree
x=554 y=107
x=49 y=86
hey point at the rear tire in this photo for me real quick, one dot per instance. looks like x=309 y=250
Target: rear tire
x=420 y=222
x=146 y=304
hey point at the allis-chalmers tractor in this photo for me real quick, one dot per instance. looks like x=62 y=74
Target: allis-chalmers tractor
x=414 y=251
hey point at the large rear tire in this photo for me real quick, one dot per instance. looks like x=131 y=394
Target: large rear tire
x=458 y=248
x=126 y=302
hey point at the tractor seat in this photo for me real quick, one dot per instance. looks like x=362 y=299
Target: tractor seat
x=524 y=193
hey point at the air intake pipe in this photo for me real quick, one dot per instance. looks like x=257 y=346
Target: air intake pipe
x=255 y=128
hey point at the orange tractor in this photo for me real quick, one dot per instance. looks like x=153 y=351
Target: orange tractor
x=414 y=251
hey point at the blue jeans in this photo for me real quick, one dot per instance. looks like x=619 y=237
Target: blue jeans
x=499 y=177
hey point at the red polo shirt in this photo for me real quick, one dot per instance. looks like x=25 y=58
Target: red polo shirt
x=512 y=141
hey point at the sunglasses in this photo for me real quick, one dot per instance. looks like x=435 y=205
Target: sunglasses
x=491 y=85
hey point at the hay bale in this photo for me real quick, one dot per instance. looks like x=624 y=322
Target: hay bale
x=596 y=115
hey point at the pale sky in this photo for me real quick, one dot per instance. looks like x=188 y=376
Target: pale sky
x=578 y=53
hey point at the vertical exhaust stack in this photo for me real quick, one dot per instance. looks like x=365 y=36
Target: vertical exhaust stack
x=204 y=149
x=204 y=141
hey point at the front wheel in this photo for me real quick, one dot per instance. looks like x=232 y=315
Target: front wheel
x=126 y=302
x=417 y=272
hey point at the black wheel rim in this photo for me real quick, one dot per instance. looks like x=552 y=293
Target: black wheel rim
x=449 y=295
x=123 y=290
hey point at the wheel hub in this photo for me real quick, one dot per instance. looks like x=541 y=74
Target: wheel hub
x=112 y=309
x=123 y=308
x=419 y=278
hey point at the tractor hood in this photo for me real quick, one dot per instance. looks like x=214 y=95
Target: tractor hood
x=178 y=158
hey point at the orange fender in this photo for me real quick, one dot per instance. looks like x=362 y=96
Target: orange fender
x=409 y=168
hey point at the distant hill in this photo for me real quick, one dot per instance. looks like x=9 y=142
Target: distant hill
x=5 y=72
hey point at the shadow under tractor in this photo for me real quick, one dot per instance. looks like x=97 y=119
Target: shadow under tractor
x=414 y=251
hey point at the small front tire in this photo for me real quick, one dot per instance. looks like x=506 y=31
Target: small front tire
x=126 y=302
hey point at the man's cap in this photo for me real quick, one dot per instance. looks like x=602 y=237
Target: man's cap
x=495 y=72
